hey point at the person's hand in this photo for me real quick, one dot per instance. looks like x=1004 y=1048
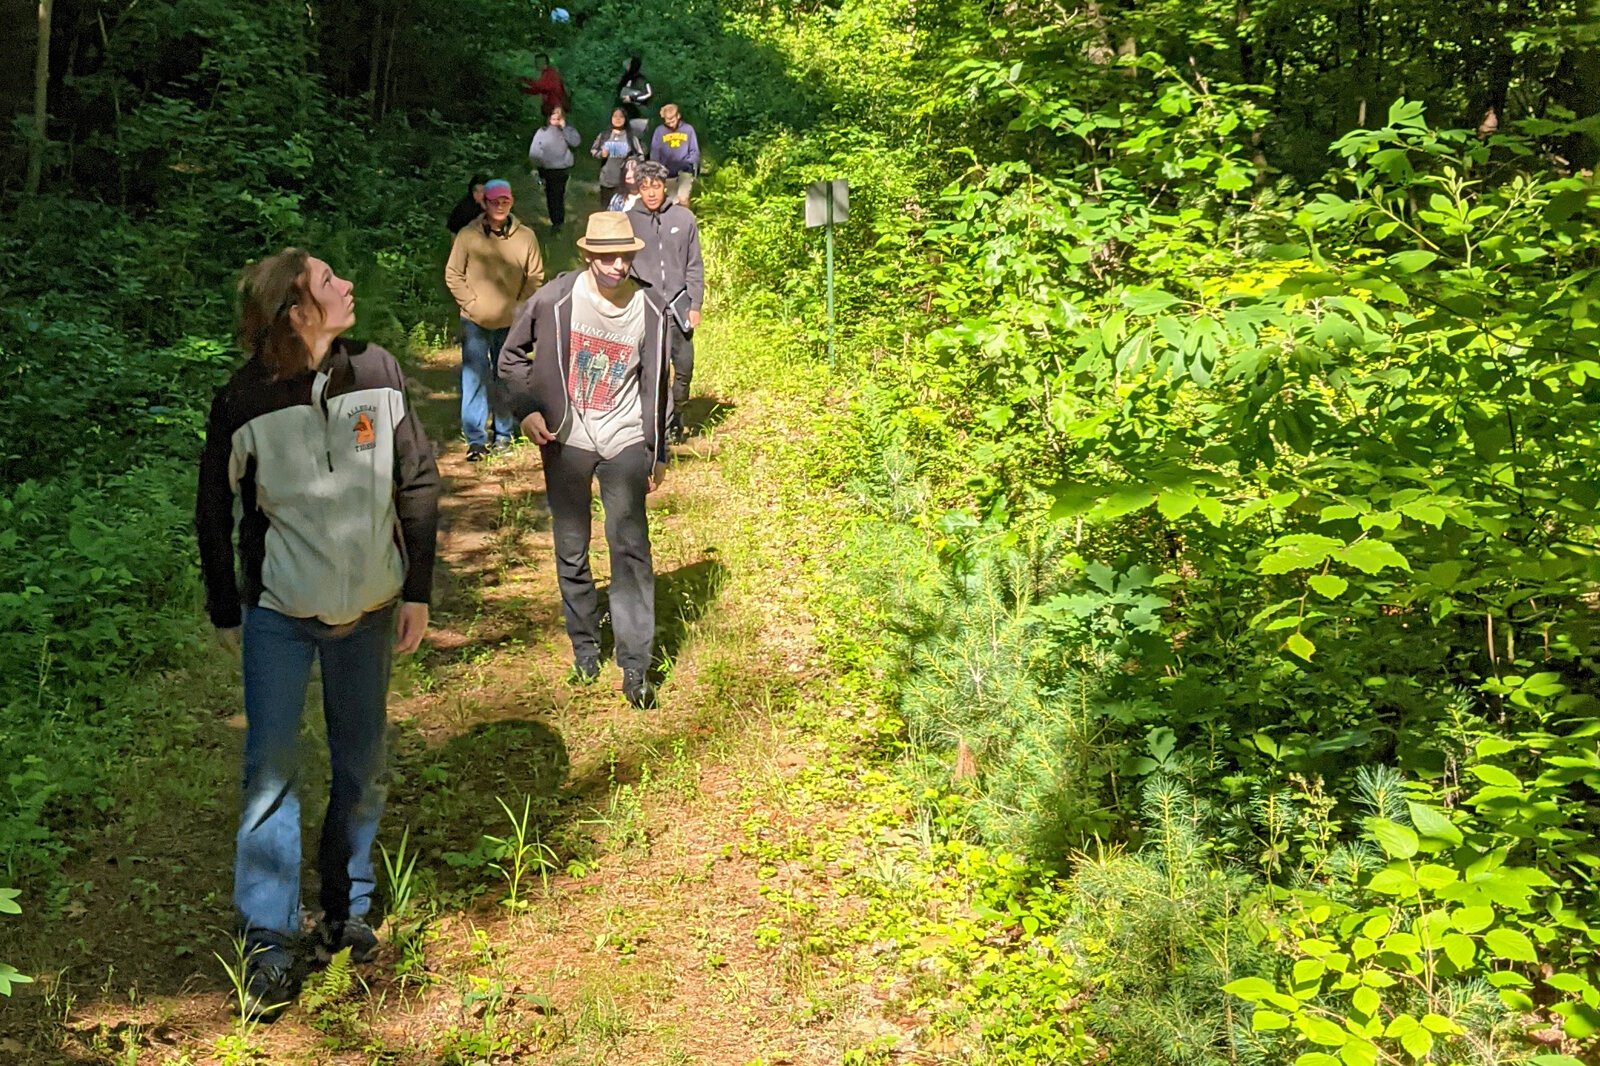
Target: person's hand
x=658 y=474
x=536 y=430
x=230 y=638
x=694 y=318
x=411 y=622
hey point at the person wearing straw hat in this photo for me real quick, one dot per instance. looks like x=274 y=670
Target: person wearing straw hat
x=585 y=370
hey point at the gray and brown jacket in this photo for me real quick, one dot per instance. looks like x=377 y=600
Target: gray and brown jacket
x=338 y=489
x=534 y=361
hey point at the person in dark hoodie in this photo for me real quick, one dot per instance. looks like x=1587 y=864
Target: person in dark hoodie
x=585 y=368
x=671 y=263
x=469 y=207
x=633 y=92
x=314 y=440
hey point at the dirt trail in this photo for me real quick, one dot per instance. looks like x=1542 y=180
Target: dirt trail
x=648 y=938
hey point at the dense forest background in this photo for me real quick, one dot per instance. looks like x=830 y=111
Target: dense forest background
x=1223 y=395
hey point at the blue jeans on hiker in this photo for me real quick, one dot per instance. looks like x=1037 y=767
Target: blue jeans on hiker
x=480 y=385
x=278 y=652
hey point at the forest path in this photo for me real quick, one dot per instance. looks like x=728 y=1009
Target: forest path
x=642 y=930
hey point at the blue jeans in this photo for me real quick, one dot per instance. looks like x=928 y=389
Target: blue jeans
x=278 y=652
x=480 y=384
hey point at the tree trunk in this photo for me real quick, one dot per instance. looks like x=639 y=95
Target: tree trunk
x=41 y=92
x=374 y=59
x=388 y=64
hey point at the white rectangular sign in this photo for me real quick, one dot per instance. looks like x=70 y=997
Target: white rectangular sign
x=817 y=194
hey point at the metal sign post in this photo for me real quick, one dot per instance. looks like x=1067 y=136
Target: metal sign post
x=828 y=202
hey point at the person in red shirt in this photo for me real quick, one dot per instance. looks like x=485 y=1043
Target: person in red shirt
x=547 y=85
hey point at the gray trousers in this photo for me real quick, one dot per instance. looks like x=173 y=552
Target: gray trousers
x=569 y=475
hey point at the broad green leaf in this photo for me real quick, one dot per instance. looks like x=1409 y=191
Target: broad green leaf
x=1330 y=585
x=1263 y=1021
x=1148 y=301
x=1579 y=1020
x=1494 y=775
x=1298 y=551
x=1411 y=261
x=1396 y=840
x=1418 y=1042
x=1301 y=645
x=1460 y=950
x=9 y=976
x=1510 y=944
x=1371 y=556
x=1401 y=944
x=1309 y=972
x=1175 y=503
x=1433 y=823
x=1321 y=1031
x=1433 y=877
x=1249 y=988
x=1359 y=1052
x=1472 y=919
x=1568 y=982
x=1392 y=882
x=1367 y=1001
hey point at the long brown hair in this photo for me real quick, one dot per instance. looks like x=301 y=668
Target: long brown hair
x=267 y=290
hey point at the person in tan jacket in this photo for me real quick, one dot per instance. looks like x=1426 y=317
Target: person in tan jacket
x=494 y=265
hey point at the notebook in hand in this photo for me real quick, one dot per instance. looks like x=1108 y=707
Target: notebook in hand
x=679 y=307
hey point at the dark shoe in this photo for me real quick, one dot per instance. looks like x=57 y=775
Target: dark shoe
x=269 y=984
x=352 y=933
x=585 y=670
x=477 y=453
x=637 y=688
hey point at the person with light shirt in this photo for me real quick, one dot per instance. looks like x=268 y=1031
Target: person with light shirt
x=585 y=365
x=314 y=457
x=494 y=265
x=551 y=154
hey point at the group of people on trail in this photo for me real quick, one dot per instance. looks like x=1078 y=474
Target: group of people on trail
x=317 y=481
x=620 y=147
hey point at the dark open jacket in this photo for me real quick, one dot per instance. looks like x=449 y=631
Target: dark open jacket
x=534 y=360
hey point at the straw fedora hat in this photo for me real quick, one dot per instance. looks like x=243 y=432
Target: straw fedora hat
x=610 y=231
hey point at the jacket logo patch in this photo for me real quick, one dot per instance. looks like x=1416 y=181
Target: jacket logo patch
x=366 y=435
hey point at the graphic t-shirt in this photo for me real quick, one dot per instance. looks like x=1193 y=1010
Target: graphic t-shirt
x=603 y=373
